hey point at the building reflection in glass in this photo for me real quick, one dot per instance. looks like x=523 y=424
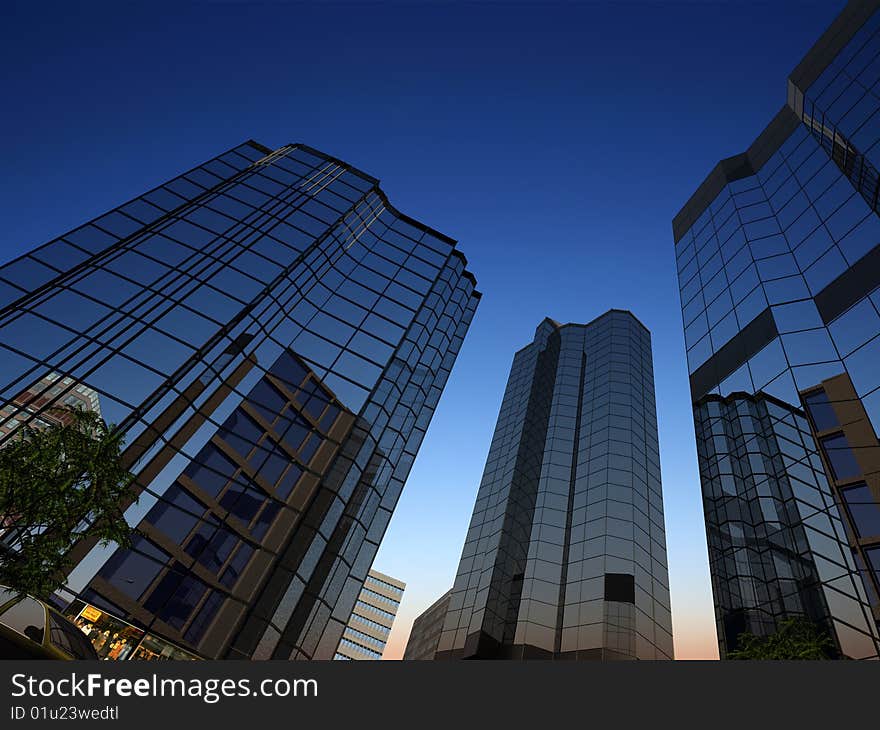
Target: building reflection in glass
x=779 y=268
x=272 y=337
x=777 y=544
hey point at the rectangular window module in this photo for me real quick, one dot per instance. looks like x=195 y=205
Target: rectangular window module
x=380 y=597
x=372 y=624
x=368 y=607
x=863 y=510
x=364 y=650
x=620 y=587
x=840 y=456
x=821 y=411
x=361 y=638
x=133 y=570
x=873 y=556
x=865 y=574
x=394 y=589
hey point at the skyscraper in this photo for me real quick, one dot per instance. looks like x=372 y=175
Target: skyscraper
x=565 y=556
x=425 y=634
x=367 y=630
x=778 y=266
x=272 y=337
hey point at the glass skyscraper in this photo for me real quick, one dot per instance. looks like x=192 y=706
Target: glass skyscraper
x=272 y=337
x=565 y=556
x=778 y=256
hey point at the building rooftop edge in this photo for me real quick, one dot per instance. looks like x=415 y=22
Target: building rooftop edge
x=476 y=294
x=596 y=319
x=815 y=61
x=387 y=578
x=831 y=42
x=381 y=193
x=558 y=326
x=436 y=603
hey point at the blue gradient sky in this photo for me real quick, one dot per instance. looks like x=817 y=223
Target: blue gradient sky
x=555 y=142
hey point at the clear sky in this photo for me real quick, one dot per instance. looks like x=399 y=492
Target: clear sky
x=555 y=142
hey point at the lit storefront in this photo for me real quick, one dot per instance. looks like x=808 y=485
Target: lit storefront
x=117 y=640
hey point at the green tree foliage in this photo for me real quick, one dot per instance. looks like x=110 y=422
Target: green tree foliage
x=51 y=479
x=795 y=638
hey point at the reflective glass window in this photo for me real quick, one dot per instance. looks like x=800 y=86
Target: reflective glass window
x=265 y=520
x=210 y=470
x=236 y=565
x=133 y=570
x=873 y=556
x=241 y=432
x=200 y=539
x=840 y=456
x=267 y=401
x=176 y=514
x=863 y=509
x=175 y=597
x=288 y=368
x=289 y=480
x=204 y=617
x=218 y=549
x=821 y=411
x=311 y=447
x=318 y=397
x=242 y=501
x=294 y=428
x=275 y=463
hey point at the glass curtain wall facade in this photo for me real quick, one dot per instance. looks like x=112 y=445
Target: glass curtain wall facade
x=367 y=630
x=272 y=337
x=778 y=255
x=425 y=634
x=565 y=556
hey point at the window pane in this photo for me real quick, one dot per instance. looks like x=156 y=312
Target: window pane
x=209 y=609
x=236 y=565
x=241 y=432
x=289 y=369
x=131 y=570
x=264 y=521
x=873 y=555
x=175 y=517
x=865 y=512
x=218 y=550
x=242 y=501
x=820 y=410
x=267 y=401
x=291 y=477
x=843 y=463
x=210 y=470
